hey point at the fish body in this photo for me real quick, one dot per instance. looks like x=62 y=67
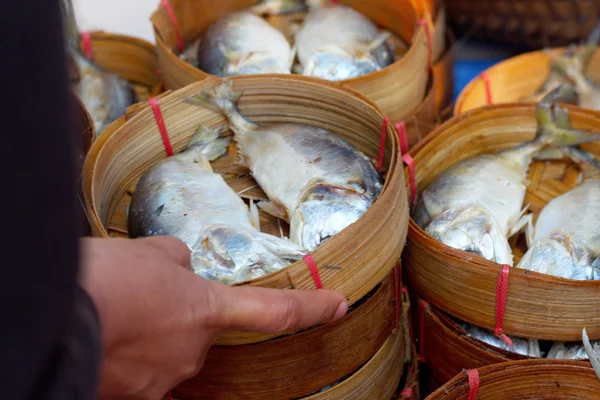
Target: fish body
x=568 y=351
x=279 y=7
x=181 y=196
x=337 y=43
x=525 y=347
x=476 y=205
x=314 y=180
x=243 y=43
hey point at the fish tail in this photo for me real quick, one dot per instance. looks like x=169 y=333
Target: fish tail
x=553 y=131
x=223 y=100
x=208 y=143
x=590 y=47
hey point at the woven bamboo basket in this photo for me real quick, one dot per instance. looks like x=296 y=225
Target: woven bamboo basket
x=526 y=379
x=464 y=285
x=298 y=365
x=424 y=119
x=397 y=89
x=84 y=125
x=366 y=251
x=134 y=59
x=534 y=23
x=514 y=80
x=443 y=71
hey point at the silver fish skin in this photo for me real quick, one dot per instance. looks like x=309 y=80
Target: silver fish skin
x=104 y=94
x=337 y=43
x=315 y=180
x=476 y=204
x=568 y=351
x=242 y=43
x=525 y=347
x=182 y=197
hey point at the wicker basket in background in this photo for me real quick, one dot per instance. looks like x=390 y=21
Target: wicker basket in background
x=531 y=23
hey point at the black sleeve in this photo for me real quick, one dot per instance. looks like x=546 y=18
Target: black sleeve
x=50 y=335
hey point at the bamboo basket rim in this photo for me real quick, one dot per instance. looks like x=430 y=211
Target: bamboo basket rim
x=496 y=69
x=418 y=33
x=387 y=197
x=509 y=369
x=491 y=269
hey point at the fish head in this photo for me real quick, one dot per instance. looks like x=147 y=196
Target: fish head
x=473 y=230
x=559 y=255
x=323 y=211
x=232 y=254
x=335 y=63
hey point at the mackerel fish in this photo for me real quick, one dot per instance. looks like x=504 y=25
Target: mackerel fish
x=316 y=181
x=476 y=204
x=182 y=197
x=336 y=43
x=525 y=347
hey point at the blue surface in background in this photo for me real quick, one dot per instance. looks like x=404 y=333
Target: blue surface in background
x=465 y=70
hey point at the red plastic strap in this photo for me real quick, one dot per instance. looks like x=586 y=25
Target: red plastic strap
x=429 y=42
x=501 y=297
x=473 y=376
x=171 y=13
x=161 y=125
x=382 y=143
x=312 y=266
x=408 y=392
x=86 y=38
x=408 y=160
x=488 y=87
x=422 y=306
x=397 y=294
x=401 y=128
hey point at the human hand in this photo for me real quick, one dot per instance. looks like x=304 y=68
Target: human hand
x=159 y=319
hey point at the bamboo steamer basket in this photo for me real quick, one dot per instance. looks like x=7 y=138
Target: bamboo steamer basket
x=527 y=379
x=133 y=59
x=443 y=71
x=464 y=285
x=514 y=79
x=424 y=119
x=397 y=89
x=365 y=252
x=534 y=23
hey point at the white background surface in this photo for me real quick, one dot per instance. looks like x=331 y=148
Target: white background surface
x=128 y=17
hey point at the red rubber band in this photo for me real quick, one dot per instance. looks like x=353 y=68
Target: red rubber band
x=429 y=42
x=397 y=294
x=473 y=376
x=501 y=297
x=422 y=306
x=173 y=18
x=408 y=160
x=161 y=125
x=408 y=392
x=382 y=144
x=401 y=128
x=488 y=87
x=86 y=38
x=159 y=72
x=312 y=266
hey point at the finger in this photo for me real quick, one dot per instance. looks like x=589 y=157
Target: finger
x=275 y=311
x=173 y=247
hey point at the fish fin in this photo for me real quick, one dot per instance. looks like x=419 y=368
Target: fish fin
x=431 y=203
x=282 y=247
x=378 y=41
x=293 y=56
x=209 y=144
x=272 y=209
x=254 y=217
x=523 y=221
x=592 y=353
x=562 y=118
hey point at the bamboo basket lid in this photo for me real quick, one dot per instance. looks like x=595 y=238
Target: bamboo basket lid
x=514 y=80
x=397 y=89
x=526 y=379
x=366 y=251
x=134 y=59
x=299 y=364
x=464 y=285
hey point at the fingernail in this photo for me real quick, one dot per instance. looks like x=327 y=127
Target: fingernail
x=341 y=310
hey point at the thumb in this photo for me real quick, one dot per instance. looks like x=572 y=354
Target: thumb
x=174 y=248
x=263 y=310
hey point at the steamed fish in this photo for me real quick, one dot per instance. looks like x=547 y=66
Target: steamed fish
x=337 y=43
x=315 y=180
x=105 y=95
x=525 y=347
x=476 y=204
x=242 y=43
x=566 y=242
x=181 y=196
x=568 y=351
x=279 y=7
